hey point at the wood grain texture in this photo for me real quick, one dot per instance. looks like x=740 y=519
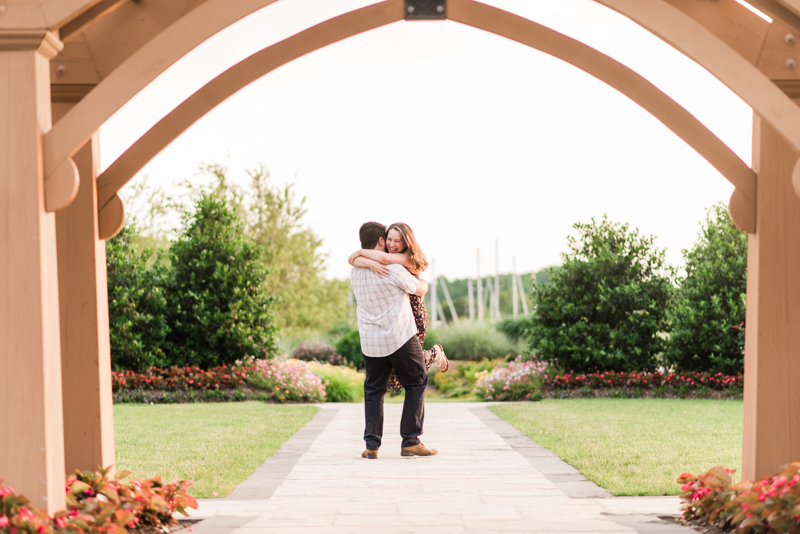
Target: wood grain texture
x=83 y=302
x=31 y=440
x=772 y=341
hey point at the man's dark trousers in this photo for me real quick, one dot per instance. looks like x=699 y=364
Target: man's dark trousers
x=409 y=364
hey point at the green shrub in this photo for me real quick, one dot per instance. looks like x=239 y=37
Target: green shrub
x=219 y=309
x=467 y=340
x=342 y=384
x=515 y=329
x=709 y=313
x=349 y=346
x=607 y=303
x=136 y=303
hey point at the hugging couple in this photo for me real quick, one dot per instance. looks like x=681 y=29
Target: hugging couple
x=392 y=321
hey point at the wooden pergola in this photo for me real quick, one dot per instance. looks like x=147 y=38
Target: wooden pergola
x=67 y=65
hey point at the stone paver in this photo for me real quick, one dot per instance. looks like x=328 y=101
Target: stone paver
x=487 y=478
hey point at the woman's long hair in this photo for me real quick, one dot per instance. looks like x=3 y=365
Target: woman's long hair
x=412 y=248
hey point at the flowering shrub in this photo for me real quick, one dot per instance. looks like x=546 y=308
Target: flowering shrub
x=520 y=380
x=342 y=384
x=613 y=379
x=316 y=351
x=462 y=376
x=179 y=378
x=287 y=380
x=767 y=505
x=99 y=504
x=16 y=514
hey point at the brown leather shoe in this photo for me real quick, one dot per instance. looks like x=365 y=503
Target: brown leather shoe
x=371 y=454
x=417 y=450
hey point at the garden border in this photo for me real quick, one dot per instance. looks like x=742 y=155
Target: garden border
x=272 y=473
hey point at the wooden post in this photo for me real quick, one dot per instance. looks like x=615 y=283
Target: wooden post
x=434 y=300
x=470 y=300
x=31 y=424
x=497 y=315
x=479 y=289
x=514 y=288
x=772 y=340
x=85 y=344
x=523 y=297
x=447 y=297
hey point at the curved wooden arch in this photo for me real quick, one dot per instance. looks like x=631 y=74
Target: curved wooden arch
x=667 y=22
x=466 y=12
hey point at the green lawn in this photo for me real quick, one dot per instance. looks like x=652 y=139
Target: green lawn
x=215 y=445
x=634 y=446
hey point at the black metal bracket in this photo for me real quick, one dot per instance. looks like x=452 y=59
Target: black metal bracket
x=426 y=9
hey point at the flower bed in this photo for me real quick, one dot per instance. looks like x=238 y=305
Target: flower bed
x=279 y=380
x=767 y=505
x=533 y=380
x=644 y=384
x=97 y=503
x=521 y=380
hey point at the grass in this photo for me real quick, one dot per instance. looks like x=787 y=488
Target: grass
x=215 y=445
x=634 y=446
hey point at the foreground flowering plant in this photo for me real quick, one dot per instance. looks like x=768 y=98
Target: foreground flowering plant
x=97 y=503
x=767 y=505
x=520 y=380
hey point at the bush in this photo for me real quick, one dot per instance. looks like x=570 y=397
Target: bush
x=766 y=505
x=461 y=378
x=317 y=351
x=136 y=303
x=342 y=384
x=519 y=380
x=468 y=340
x=288 y=380
x=709 y=313
x=219 y=308
x=349 y=346
x=514 y=329
x=607 y=303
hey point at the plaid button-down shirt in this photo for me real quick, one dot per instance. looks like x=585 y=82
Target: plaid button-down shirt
x=385 y=319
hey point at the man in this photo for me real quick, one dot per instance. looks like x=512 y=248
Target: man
x=388 y=340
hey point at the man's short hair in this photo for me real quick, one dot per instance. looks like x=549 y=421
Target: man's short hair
x=370 y=233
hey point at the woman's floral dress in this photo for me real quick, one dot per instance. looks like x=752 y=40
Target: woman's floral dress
x=421 y=318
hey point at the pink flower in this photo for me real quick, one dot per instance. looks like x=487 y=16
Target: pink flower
x=3 y=521
x=61 y=522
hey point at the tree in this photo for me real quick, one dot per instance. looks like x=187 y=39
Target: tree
x=307 y=300
x=273 y=218
x=606 y=304
x=220 y=309
x=709 y=313
x=136 y=302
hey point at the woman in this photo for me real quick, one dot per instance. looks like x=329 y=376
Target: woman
x=403 y=249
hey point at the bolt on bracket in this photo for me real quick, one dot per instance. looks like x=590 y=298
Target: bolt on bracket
x=425 y=9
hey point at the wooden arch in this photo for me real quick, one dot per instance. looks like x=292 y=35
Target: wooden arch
x=467 y=12
x=664 y=20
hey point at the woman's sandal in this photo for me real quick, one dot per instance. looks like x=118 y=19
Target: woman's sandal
x=441 y=360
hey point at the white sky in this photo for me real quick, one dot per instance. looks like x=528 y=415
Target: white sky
x=466 y=136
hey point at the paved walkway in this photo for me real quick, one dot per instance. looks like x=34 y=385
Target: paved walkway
x=487 y=478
